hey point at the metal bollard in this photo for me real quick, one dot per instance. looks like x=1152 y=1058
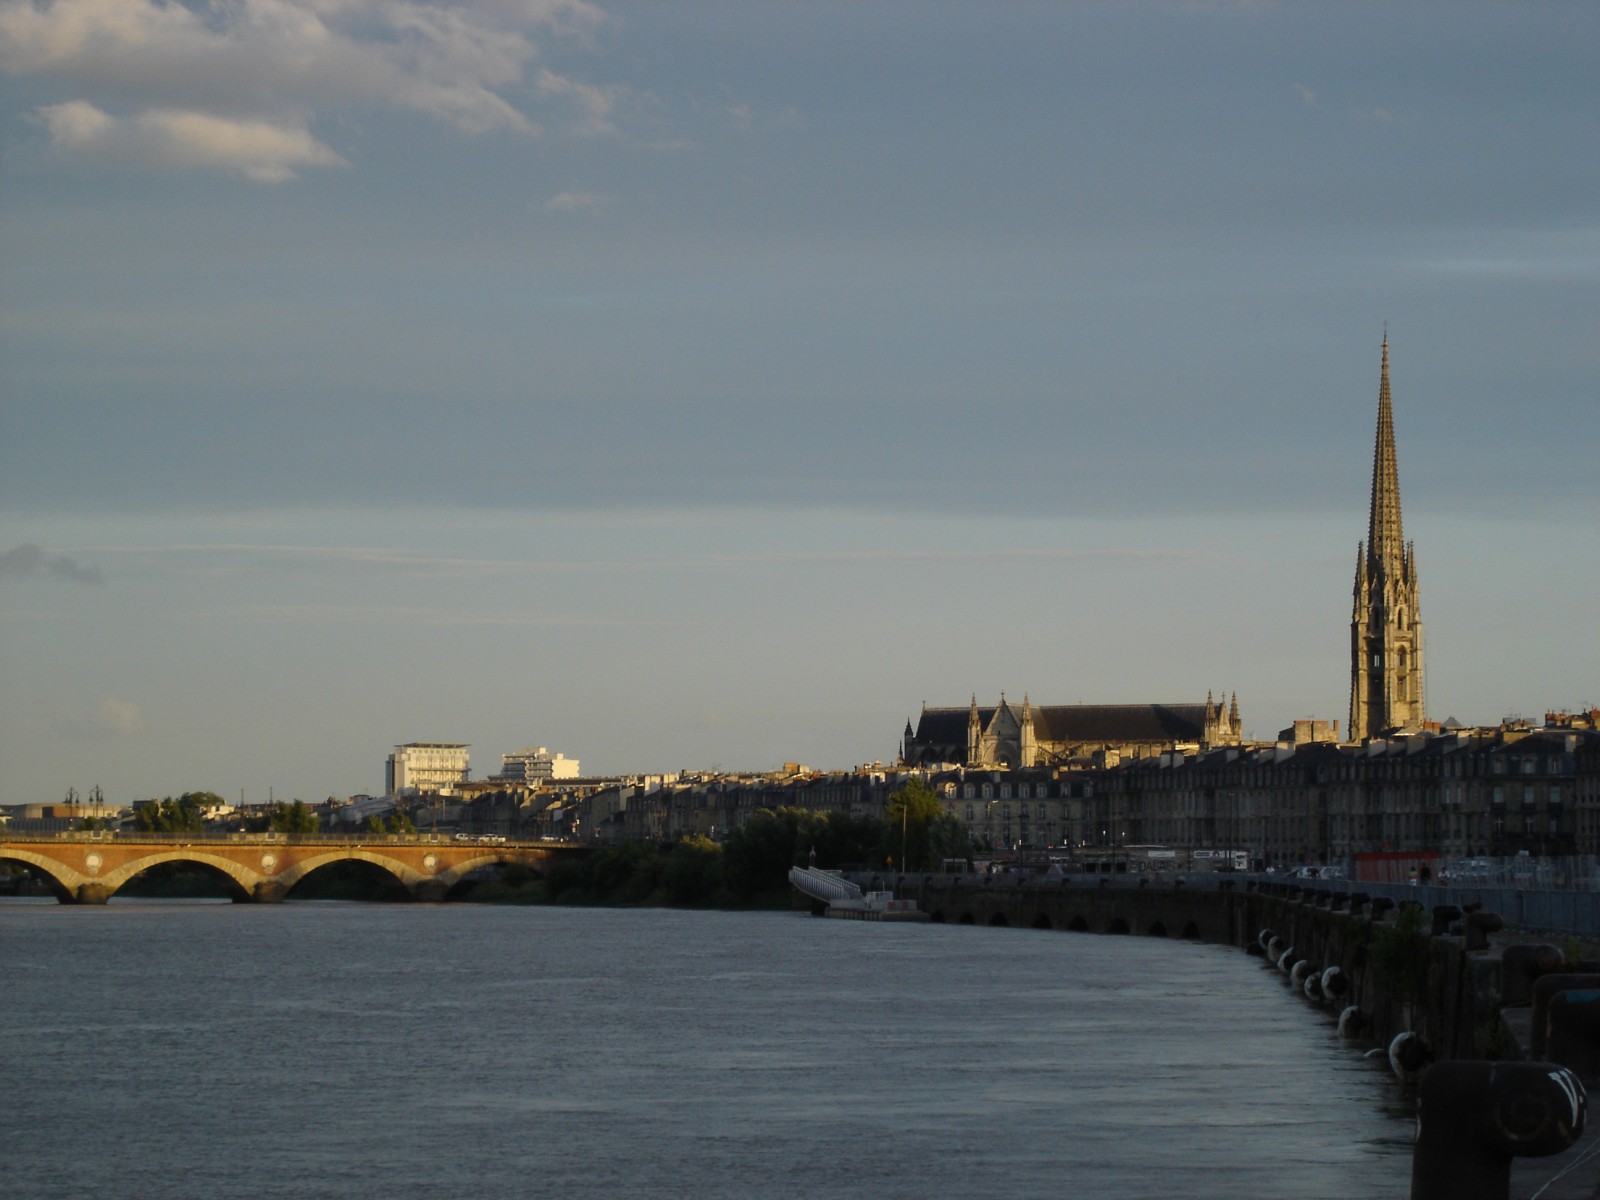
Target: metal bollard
x=1444 y=915
x=1478 y=926
x=1474 y=1117
x=1521 y=964
x=1381 y=905
x=1545 y=987
x=1574 y=1031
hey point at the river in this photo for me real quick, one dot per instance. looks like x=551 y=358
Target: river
x=310 y=1050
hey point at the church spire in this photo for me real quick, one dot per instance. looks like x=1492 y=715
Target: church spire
x=1385 y=536
x=1385 y=626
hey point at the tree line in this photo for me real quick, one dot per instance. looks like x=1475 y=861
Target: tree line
x=750 y=866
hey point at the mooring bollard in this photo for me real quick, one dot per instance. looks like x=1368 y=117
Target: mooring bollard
x=1544 y=988
x=1573 y=1039
x=1521 y=964
x=1478 y=926
x=1444 y=915
x=1475 y=1117
x=1381 y=905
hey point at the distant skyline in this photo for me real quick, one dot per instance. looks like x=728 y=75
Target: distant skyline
x=711 y=385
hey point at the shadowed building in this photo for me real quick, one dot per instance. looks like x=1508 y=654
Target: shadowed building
x=1386 y=624
x=1046 y=735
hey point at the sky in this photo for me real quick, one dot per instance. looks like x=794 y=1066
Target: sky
x=711 y=385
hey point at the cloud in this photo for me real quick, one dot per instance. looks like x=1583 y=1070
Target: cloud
x=591 y=107
x=120 y=718
x=22 y=561
x=256 y=150
x=574 y=201
x=236 y=86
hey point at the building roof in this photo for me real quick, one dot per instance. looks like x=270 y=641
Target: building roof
x=1074 y=723
x=1120 y=722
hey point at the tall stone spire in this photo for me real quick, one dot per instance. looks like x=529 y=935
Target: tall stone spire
x=1385 y=623
x=1385 y=535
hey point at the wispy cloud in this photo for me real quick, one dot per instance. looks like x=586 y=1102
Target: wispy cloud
x=257 y=150
x=576 y=201
x=22 y=561
x=381 y=614
x=236 y=86
x=118 y=718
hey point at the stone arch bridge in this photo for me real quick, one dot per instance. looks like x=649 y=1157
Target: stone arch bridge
x=89 y=868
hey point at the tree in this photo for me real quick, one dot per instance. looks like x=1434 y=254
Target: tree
x=295 y=818
x=919 y=833
x=167 y=815
x=400 y=822
x=692 y=873
x=757 y=855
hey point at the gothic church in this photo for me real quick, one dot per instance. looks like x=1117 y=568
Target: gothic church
x=1386 y=623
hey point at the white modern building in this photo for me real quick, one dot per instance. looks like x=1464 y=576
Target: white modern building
x=536 y=766
x=426 y=767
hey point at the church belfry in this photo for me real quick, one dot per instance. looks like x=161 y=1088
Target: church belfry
x=1385 y=625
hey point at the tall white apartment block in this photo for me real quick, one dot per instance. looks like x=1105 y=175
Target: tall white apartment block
x=536 y=766
x=427 y=767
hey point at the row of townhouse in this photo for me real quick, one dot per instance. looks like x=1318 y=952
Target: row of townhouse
x=1460 y=794
x=1489 y=793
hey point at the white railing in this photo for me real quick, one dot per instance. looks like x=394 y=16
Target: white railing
x=822 y=885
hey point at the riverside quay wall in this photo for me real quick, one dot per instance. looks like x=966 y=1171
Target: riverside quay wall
x=1445 y=974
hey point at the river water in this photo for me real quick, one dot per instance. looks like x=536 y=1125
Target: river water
x=305 y=1050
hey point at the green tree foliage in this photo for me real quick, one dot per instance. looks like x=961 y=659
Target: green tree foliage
x=1399 y=954
x=918 y=833
x=294 y=818
x=757 y=856
x=182 y=815
x=693 y=872
x=398 y=821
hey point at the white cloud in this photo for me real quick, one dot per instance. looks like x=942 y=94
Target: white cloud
x=254 y=149
x=237 y=85
x=119 y=718
x=591 y=107
x=574 y=201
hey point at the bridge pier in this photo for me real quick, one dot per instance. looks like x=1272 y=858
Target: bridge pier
x=90 y=893
x=268 y=891
x=428 y=891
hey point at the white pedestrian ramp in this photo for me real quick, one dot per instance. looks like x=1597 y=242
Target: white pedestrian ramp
x=824 y=886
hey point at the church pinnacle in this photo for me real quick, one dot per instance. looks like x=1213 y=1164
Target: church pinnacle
x=1385 y=624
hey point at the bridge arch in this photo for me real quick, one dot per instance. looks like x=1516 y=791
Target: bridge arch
x=61 y=883
x=239 y=881
x=408 y=878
